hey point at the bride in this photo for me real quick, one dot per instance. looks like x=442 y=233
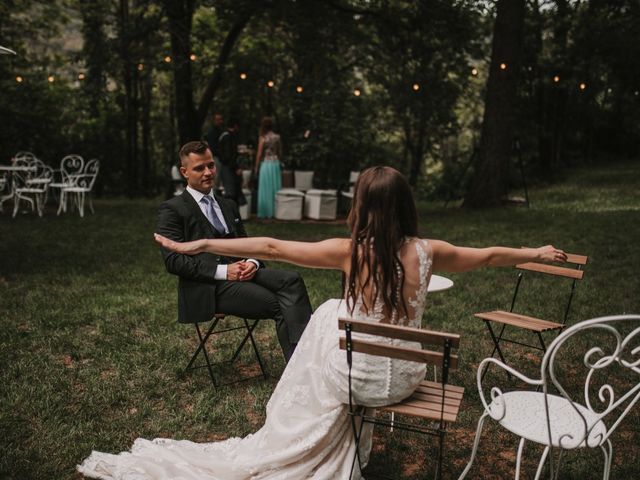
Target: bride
x=307 y=433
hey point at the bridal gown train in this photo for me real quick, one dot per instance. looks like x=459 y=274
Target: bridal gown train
x=307 y=432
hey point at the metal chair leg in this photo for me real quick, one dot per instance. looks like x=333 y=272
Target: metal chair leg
x=519 y=457
x=543 y=458
x=496 y=347
x=474 y=450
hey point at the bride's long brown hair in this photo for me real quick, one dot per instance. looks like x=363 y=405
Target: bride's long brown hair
x=383 y=213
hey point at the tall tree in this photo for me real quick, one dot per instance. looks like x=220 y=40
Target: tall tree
x=190 y=117
x=490 y=182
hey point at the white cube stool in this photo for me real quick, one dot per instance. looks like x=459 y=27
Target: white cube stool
x=289 y=202
x=303 y=179
x=321 y=204
x=245 y=210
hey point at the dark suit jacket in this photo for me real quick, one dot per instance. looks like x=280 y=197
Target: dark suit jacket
x=181 y=219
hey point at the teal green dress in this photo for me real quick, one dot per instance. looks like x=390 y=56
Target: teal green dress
x=269 y=177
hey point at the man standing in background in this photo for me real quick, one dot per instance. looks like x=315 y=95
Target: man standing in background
x=212 y=137
x=230 y=172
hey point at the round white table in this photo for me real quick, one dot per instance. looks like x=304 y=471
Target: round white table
x=439 y=283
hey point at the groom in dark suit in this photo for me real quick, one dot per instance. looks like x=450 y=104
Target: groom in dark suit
x=210 y=284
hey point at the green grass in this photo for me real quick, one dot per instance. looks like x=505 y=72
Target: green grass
x=91 y=356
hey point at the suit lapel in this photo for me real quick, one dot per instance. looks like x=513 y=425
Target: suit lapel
x=194 y=208
x=228 y=215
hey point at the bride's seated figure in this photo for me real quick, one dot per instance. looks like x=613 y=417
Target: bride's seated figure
x=307 y=433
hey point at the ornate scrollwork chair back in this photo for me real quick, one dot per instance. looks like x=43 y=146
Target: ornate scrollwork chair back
x=589 y=382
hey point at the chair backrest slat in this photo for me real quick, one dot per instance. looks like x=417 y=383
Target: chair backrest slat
x=552 y=270
x=401 y=353
x=426 y=337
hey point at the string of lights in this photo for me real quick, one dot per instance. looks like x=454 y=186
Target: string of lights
x=299 y=89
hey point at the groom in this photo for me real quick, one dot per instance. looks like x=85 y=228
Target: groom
x=210 y=284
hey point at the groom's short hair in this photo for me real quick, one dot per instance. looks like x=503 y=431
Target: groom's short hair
x=188 y=148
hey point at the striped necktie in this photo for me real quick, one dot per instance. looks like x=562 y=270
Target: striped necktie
x=211 y=215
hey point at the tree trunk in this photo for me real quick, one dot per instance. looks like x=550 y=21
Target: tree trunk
x=490 y=181
x=130 y=101
x=180 y=15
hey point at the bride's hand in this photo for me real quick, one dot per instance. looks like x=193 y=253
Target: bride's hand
x=549 y=253
x=186 y=248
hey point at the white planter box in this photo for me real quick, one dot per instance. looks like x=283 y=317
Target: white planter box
x=289 y=203
x=321 y=204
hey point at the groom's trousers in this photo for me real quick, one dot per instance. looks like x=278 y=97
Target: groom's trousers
x=277 y=294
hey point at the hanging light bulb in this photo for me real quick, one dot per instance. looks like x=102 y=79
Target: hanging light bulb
x=51 y=79
x=416 y=87
x=582 y=86
x=193 y=57
x=503 y=66
x=270 y=84
x=19 y=79
x=357 y=92
x=556 y=78
x=167 y=59
x=243 y=76
x=140 y=67
x=299 y=89
x=474 y=71
x=81 y=76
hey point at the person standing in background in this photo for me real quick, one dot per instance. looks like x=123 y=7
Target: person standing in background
x=212 y=137
x=268 y=168
x=230 y=172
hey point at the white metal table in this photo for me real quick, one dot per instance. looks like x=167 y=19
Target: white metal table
x=439 y=283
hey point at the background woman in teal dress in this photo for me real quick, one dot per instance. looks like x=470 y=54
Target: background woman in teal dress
x=268 y=168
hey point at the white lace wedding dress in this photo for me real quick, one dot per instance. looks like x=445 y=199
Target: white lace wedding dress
x=307 y=432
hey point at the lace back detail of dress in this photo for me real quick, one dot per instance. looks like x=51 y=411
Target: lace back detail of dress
x=271 y=144
x=415 y=289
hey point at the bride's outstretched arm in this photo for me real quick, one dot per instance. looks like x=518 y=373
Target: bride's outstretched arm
x=449 y=258
x=332 y=254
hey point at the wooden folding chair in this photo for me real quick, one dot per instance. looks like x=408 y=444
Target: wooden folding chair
x=437 y=403
x=216 y=329
x=535 y=325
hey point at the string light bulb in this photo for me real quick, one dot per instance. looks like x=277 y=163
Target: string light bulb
x=415 y=87
x=19 y=79
x=193 y=57
x=474 y=71
x=582 y=86
x=299 y=89
x=556 y=78
x=270 y=84
x=357 y=92
x=51 y=79
x=243 y=76
x=140 y=67
x=503 y=66
x=167 y=59
x=81 y=76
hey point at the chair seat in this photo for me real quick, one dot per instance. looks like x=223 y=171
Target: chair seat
x=525 y=416
x=426 y=402
x=29 y=190
x=60 y=185
x=522 y=321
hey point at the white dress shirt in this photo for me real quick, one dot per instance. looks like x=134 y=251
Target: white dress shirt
x=221 y=271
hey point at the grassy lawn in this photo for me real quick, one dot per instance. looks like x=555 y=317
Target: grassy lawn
x=91 y=355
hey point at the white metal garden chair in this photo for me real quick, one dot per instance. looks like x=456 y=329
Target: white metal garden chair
x=81 y=188
x=585 y=392
x=70 y=165
x=32 y=188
